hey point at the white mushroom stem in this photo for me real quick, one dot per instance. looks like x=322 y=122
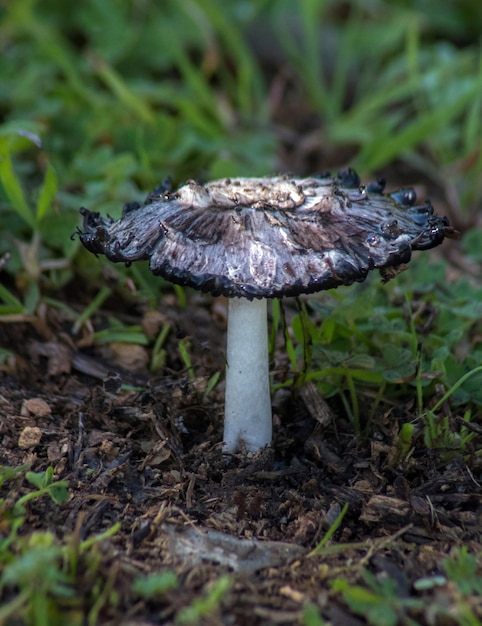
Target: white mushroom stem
x=247 y=418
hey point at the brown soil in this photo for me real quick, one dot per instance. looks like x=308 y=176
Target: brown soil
x=151 y=459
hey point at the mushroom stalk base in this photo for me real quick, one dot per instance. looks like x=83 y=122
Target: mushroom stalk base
x=247 y=419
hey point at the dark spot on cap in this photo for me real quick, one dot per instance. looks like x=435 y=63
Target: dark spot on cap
x=405 y=197
x=376 y=186
x=349 y=178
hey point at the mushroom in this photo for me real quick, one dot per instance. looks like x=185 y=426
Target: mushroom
x=256 y=238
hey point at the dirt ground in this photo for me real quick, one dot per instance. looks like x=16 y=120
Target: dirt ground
x=150 y=458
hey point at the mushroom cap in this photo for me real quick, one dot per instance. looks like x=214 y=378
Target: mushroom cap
x=268 y=237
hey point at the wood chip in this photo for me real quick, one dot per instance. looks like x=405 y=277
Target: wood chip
x=292 y=594
x=379 y=507
x=35 y=406
x=58 y=355
x=316 y=404
x=195 y=545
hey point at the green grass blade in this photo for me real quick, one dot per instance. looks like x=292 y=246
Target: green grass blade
x=473 y=122
x=415 y=133
x=96 y=303
x=10 y=300
x=247 y=79
x=330 y=532
x=114 y=81
x=48 y=192
x=11 y=184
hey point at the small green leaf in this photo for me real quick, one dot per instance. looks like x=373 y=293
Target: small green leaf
x=58 y=492
x=37 y=479
x=7 y=473
x=311 y=616
x=204 y=605
x=464 y=570
x=366 y=602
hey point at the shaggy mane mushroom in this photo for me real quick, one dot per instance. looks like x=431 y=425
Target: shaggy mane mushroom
x=256 y=238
